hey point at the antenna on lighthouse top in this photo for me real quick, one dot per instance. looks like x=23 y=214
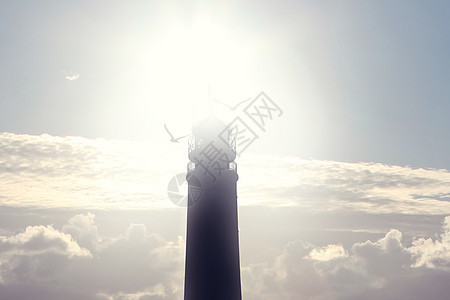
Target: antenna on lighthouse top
x=210 y=100
x=193 y=114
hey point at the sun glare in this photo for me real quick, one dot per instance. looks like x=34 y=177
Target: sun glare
x=174 y=75
x=193 y=64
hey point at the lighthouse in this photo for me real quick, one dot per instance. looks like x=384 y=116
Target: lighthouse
x=212 y=269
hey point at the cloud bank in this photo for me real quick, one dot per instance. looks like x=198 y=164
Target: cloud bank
x=382 y=269
x=50 y=171
x=76 y=262
x=45 y=263
x=308 y=250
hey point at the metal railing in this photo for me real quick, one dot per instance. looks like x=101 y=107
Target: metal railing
x=196 y=142
x=232 y=166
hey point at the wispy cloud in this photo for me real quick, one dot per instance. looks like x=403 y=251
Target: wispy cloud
x=53 y=171
x=328 y=185
x=49 y=171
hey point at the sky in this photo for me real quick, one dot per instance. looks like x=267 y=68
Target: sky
x=343 y=194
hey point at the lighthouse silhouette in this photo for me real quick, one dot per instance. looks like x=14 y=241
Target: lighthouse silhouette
x=212 y=270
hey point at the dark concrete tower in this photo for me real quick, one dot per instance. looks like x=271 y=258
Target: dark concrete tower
x=212 y=242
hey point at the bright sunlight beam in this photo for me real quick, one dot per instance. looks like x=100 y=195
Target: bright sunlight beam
x=184 y=60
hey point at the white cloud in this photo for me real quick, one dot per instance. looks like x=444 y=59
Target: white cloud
x=433 y=254
x=154 y=293
x=369 y=270
x=83 y=229
x=38 y=253
x=328 y=185
x=49 y=171
x=81 y=263
x=46 y=262
x=38 y=239
x=52 y=171
x=327 y=253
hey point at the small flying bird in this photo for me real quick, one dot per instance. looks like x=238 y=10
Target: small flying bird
x=69 y=75
x=233 y=108
x=172 y=138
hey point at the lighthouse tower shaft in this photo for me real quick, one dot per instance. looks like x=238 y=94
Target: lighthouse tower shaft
x=212 y=241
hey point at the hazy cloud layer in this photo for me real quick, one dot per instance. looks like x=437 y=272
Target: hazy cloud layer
x=328 y=235
x=46 y=263
x=52 y=171
x=38 y=254
x=328 y=185
x=382 y=269
x=76 y=262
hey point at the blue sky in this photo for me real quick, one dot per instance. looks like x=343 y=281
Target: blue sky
x=344 y=196
x=358 y=80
